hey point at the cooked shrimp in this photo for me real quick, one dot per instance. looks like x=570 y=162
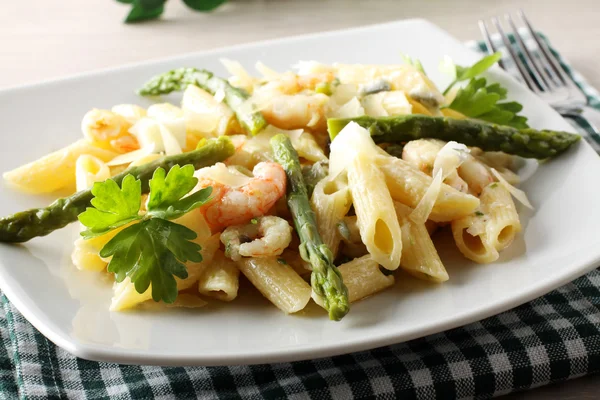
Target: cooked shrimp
x=284 y=108
x=291 y=83
x=421 y=154
x=108 y=130
x=251 y=197
x=476 y=174
x=266 y=237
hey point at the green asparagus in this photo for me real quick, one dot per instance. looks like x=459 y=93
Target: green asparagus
x=312 y=174
x=529 y=143
x=179 y=79
x=25 y=225
x=326 y=279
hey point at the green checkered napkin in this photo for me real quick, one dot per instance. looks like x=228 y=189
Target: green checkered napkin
x=550 y=339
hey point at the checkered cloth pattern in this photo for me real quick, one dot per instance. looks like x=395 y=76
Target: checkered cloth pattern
x=553 y=338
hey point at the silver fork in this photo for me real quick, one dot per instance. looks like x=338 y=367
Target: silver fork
x=544 y=74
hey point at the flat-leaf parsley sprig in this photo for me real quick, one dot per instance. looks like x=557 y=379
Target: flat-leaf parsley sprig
x=480 y=100
x=154 y=249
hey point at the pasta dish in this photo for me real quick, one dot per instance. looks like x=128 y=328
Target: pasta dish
x=317 y=183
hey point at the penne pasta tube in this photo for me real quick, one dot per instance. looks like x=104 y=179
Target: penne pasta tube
x=85 y=255
x=419 y=256
x=353 y=245
x=492 y=228
x=331 y=201
x=503 y=221
x=278 y=282
x=56 y=170
x=220 y=279
x=88 y=170
x=363 y=277
x=408 y=185
x=377 y=221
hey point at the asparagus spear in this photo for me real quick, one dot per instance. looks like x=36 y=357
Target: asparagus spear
x=313 y=174
x=25 y=225
x=326 y=279
x=179 y=79
x=529 y=143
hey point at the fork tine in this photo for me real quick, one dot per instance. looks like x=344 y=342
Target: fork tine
x=489 y=44
x=524 y=72
x=558 y=72
x=536 y=70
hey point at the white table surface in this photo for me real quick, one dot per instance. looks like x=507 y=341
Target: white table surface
x=41 y=39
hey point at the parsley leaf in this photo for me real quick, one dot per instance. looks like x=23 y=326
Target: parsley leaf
x=481 y=101
x=113 y=206
x=166 y=192
x=154 y=250
x=466 y=73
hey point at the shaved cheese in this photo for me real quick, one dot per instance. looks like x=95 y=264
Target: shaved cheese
x=449 y=158
x=152 y=133
x=311 y=67
x=510 y=176
x=373 y=105
x=170 y=117
x=517 y=193
x=224 y=175
x=304 y=143
x=421 y=212
x=265 y=71
x=145 y=159
x=170 y=143
x=385 y=104
x=240 y=77
x=351 y=142
x=396 y=103
x=147 y=132
x=203 y=113
x=344 y=93
x=351 y=109
x=401 y=77
x=130 y=112
x=132 y=156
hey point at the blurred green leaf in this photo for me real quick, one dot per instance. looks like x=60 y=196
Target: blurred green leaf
x=203 y=5
x=139 y=12
x=150 y=4
x=126 y=1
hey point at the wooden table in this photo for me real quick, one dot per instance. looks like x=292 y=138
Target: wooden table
x=41 y=39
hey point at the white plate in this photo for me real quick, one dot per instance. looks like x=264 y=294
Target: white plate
x=560 y=240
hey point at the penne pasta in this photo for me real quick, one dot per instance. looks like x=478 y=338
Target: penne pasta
x=350 y=232
x=503 y=221
x=331 y=201
x=377 y=221
x=278 y=282
x=363 y=277
x=88 y=170
x=419 y=256
x=85 y=255
x=56 y=170
x=492 y=228
x=220 y=279
x=408 y=185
